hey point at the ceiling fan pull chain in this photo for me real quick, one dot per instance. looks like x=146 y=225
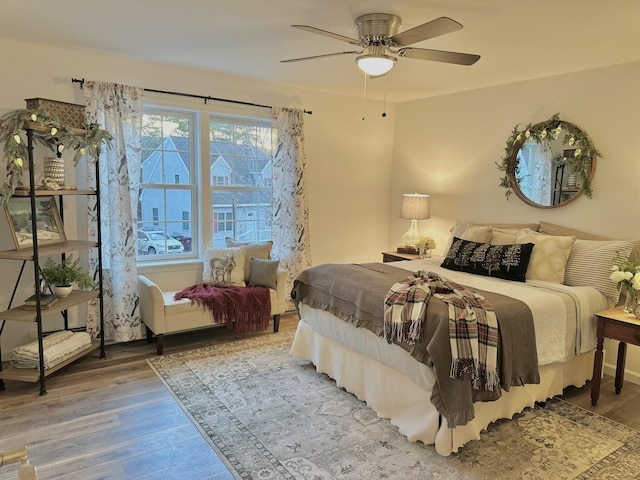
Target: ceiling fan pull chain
x=364 y=96
x=384 y=104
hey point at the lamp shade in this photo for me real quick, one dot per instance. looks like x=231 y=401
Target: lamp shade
x=415 y=206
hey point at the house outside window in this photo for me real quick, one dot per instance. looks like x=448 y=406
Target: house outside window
x=176 y=208
x=241 y=155
x=168 y=184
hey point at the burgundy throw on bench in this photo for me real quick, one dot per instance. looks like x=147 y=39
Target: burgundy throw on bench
x=243 y=309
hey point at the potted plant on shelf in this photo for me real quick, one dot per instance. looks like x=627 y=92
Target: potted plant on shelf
x=61 y=276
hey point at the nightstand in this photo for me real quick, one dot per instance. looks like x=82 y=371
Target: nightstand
x=617 y=325
x=396 y=257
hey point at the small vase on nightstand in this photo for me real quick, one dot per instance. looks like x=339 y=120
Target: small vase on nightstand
x=631 y=300
x=425 y=252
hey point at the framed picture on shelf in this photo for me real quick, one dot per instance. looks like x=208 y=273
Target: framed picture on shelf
x=49 y=225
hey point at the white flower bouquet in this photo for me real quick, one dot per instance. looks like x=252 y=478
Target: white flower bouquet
x=625 y=272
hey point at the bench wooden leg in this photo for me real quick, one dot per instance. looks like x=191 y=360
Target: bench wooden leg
x=276 y=323
x=160 y=343
x=149 y=334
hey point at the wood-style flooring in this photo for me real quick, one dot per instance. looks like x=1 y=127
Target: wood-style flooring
x=113 y=418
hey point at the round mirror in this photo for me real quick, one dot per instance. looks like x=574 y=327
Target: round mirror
x=549 y=164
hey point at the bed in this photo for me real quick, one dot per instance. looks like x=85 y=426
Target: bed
x=406 y=387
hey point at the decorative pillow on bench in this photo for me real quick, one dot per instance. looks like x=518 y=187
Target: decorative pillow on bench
x=264 y=273
x=224 y=267
x=253 y=250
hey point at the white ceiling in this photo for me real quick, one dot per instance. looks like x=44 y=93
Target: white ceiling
x=517 y=39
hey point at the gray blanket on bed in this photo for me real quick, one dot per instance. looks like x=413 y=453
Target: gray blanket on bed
x=356 y=293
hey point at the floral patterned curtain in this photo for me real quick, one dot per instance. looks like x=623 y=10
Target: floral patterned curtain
x=118 y=109
x=290 y=219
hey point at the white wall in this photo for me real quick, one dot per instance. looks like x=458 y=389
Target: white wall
x=448 y=146
x=348 y=159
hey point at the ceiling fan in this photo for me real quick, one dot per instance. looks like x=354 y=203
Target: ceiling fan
x=380 y=42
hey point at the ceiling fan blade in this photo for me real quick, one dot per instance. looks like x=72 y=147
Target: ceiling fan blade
x=336 y=36
x=434 y=28
x=318 y=56
x=439 y=56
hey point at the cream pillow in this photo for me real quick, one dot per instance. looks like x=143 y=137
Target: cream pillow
x=253 y=250
x=504 y=236
x=224 y=267
x=549 y=257
x=467 y=231
x=478 y=233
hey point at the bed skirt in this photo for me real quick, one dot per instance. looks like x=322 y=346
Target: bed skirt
x=406 y=403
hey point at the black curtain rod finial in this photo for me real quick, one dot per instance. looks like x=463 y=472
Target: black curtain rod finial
x=78 y=80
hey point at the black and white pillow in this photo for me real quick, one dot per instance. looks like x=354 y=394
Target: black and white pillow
x=508 y=262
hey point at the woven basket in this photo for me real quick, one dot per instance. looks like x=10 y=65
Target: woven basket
x=69 y=114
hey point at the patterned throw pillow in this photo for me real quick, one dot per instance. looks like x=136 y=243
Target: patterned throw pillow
x=254 y=250
x=224 y=267
x=508 y=262
x=550 y=255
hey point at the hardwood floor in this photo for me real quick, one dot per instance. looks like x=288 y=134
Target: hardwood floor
x=113 y=418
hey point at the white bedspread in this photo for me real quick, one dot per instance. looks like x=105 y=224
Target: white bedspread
x=563 y=316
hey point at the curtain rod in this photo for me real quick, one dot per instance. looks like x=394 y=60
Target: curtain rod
x=193 y=95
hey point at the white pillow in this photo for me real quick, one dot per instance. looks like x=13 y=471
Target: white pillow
x=590 y=265
x=504 y=236
x=549 y=257
x=467 y=231
x=478 y=233
x=224 y=267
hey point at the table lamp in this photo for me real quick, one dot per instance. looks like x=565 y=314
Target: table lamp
x=415 y=206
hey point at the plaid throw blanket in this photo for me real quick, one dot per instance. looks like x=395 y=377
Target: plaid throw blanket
x=473 y=326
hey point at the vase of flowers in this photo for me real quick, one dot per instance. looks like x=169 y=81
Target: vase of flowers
x=425 y=245
x=626 y=274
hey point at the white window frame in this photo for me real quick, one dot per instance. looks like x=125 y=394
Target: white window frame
x=169 y=185
x=202 y=213
x=228 y=186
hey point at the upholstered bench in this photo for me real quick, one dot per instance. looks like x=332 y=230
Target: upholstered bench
x=162 y=314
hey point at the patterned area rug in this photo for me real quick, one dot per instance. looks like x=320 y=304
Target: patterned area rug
x=270 y=416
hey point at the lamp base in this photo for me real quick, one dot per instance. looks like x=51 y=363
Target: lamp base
x=411 y=237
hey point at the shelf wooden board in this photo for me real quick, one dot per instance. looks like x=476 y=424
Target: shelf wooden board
x=33 y=375
x=46 y=193
x=21 y=314
x=47 y=250
x=37 y=128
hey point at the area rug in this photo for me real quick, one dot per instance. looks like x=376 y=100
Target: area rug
x=270 y=416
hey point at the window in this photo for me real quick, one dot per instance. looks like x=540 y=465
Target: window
x=240 y=166
x=168 y=184
x=183 y=196
x=223 y=222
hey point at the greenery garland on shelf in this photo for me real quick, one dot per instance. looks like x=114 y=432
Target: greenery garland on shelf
x=54 y=136
x=543 y=133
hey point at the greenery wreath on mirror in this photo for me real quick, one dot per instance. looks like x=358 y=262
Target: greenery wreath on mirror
x=57 y=137
x=544 y=133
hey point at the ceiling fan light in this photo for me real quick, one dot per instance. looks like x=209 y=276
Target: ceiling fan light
x=375 y=64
